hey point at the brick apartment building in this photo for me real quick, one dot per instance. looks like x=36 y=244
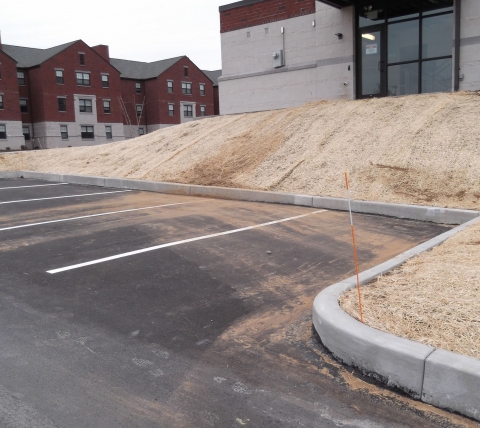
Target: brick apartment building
x=74 y=94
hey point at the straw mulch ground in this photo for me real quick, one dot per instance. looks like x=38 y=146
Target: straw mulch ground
x=433 y=298
x=422 y=149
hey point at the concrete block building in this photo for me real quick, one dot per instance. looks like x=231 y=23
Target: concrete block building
x=74 y=94
x=284 y=53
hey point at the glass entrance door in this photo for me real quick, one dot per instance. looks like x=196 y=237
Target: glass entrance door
x=373 y=65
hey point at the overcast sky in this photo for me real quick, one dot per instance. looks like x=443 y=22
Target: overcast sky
x=140 y=30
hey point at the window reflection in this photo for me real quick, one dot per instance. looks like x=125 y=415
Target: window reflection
x=403 y=79
x=437 y=36
x=437 y=75
x=403 y=41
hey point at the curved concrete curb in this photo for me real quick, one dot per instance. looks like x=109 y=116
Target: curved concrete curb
x=413 y=212
x=437 y=377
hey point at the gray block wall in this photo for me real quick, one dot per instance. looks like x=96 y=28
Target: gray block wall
x=470 y=46
x=15 y=137
x=316 y=62
x=48 y=136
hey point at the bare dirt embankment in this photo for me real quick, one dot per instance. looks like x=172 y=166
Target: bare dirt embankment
x=416 y=150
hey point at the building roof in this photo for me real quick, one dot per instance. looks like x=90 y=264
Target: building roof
x=30 y=57
x=213 y=75
x=143 y=70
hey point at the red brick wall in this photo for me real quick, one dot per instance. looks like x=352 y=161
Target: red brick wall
x=44 y=90
x=9 y=88
x=176 y=73
x=158 y=97
x=263 y=12
x=130 y=99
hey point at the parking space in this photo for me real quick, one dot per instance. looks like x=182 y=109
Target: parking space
x=127 y=308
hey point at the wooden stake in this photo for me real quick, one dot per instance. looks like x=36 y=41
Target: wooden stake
x=354 y=250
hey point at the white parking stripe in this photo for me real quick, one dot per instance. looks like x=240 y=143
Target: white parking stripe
x=95 y=215
x=35 y=185
x=184 y=241
x=61 y=197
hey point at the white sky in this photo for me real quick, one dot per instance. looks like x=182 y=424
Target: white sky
x=139 y=30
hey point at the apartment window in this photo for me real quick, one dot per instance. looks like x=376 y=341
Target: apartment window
x=141 y=131
x=64 y=132
x=186 y=88
x=62 y=104
x=83 y=79
x=87 y=132
x=59 y=77
x=23 y=105
x=108 y=132
x=21 y=78
x=85 y=106
x=185 y=71
x=171 y=110
x=3 y=132
x=1 y=102
x=170 y=86
x=139 y=109
x=81 y=57
x=203 y=110
x=0 y=71
x=105 y=82
x=106 y=106
x=26 y=132
x=138 y=88
x=187 y=111
x=202 y=89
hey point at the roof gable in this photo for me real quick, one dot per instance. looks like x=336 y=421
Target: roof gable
x=143 y=70
x=31 y=57
x=213 y=75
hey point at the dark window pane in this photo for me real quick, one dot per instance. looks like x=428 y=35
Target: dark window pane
x=437 y=36
x=1 y=101
x=3 y=132
x=403 y=41
x=437 y=76
x=62 y=104
x=403 y=79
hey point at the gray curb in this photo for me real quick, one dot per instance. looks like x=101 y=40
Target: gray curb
x=438 y=377
x=435 y=376
x=413 y=212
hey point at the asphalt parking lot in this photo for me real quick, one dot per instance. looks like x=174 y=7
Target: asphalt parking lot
x=135 y=309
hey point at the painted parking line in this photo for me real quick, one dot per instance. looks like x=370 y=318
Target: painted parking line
x=35 y=185
x=61 y=197
x=184 y=241
x=95 y=215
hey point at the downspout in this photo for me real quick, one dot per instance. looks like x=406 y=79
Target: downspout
x=458 y=16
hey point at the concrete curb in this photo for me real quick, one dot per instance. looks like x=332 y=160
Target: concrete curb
x=438 y=377
x=435 y=376
x=413 y=212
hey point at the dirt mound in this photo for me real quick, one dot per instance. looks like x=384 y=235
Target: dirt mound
x=421 y=149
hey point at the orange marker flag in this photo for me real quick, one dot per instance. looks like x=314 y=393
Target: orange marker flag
x=354 y=249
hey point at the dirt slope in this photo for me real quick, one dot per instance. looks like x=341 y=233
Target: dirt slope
x=416 y=149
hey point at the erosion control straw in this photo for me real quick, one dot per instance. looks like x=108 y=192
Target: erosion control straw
x=354 y=249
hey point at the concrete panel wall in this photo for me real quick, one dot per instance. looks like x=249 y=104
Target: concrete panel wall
x=317 y=62
x=48 y=136
x=15 y=137
x=470 y=46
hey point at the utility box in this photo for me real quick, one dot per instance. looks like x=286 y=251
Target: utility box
x=278 y=59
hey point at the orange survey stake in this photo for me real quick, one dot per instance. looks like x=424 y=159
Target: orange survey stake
x=354 y=250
